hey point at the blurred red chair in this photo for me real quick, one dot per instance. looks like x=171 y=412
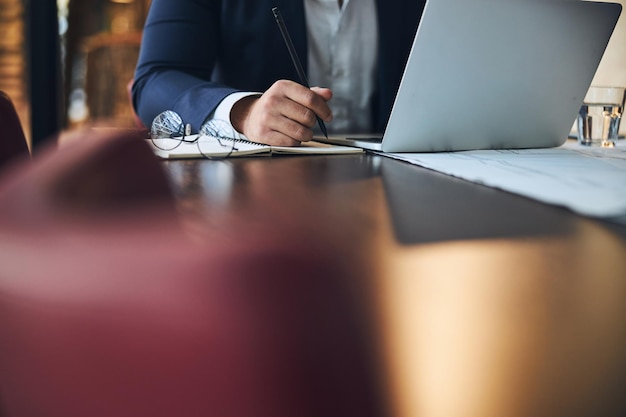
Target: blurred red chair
x=107 y=307
x=12 y=140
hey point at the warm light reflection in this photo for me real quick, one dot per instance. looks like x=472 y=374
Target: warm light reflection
x=483 y=328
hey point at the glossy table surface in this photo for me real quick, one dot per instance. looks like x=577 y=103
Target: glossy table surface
x=482 y=303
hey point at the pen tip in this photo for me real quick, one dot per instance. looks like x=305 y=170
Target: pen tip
x=323 y=128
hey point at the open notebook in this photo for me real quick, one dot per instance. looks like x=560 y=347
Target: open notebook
x=211 y=147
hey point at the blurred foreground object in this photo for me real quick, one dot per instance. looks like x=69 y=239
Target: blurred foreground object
x=107 y=307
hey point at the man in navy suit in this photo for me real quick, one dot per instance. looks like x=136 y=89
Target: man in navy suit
x=227 y=59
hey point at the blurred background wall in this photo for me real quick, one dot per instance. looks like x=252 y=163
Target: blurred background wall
x=101 y=46
x=99 y=49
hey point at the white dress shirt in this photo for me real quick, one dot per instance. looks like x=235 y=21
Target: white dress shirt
x=342 y=54
x=343 y=45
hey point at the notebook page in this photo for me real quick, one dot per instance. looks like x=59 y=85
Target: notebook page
x=589 y=181
x=211 y=147
x=313 y=147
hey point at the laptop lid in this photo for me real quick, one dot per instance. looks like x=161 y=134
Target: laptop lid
x=497 y=74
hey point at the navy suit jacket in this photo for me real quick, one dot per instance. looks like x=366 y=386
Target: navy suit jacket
x=195 y=52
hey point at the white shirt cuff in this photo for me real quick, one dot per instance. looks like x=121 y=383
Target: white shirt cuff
x=222 y=111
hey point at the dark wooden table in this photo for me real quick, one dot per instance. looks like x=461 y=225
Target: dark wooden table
x=484 y=303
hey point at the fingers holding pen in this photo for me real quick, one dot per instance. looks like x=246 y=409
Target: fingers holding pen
x=284 y=115
x=303 y=104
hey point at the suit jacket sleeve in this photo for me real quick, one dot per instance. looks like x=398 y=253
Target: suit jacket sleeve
x=177 y=57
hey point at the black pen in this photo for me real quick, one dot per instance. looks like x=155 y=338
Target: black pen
x=294 y=58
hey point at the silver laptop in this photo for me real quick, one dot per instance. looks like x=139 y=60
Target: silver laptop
x=495 y=74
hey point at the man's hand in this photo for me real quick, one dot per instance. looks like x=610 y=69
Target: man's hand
x=284 y=115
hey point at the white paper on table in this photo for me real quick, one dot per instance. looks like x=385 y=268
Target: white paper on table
x=589 y=181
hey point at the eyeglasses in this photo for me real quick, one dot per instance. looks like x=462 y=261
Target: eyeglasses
x=168 y=132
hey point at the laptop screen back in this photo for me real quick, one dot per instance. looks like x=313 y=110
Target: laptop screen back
x=487 y=74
